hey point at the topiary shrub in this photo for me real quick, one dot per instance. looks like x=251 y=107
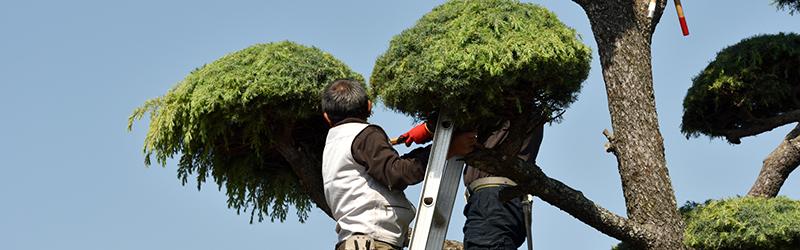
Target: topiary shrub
x=483 y=58
x=750 y=84
x=252 y=121
x=744 y=223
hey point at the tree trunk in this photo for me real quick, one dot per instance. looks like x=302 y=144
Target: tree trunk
x=624 y=35
x=777 y=166
x=305 y=165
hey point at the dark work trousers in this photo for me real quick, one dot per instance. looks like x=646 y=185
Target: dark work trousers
x=492 y=224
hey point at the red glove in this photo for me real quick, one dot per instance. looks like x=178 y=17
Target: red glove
x=419 y=134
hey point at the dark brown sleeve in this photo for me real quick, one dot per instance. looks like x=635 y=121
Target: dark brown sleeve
x=372 y=149
x=528 y=152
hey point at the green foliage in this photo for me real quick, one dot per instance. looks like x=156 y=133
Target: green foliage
x=227 y=117
x=792 y=5
x=621 y=246
x=482 y=58
x=747 y=223
x=755 y=79
x=744 y=223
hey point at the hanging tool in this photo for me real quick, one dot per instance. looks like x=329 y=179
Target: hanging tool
x=527 y=209
x=681 y=18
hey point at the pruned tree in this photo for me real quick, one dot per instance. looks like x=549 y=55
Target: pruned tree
x=474 y=57
x=746 y=223
x=251 y=120
x=750 y=88
x=504 y=61
x=743 y=223
x=487 y=61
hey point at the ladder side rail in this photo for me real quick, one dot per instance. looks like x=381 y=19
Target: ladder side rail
x=439 y=190
x=448 y=192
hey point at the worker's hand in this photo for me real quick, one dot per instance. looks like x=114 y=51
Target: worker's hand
x=461 y=143
x=419 y=134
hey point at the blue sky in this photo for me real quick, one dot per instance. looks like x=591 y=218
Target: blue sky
x=71 y=72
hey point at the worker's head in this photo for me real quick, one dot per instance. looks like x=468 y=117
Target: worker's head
x=345 y=98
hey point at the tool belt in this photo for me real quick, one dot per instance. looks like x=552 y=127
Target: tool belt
x=357 y=242
x=485 y=182
x=360 y=241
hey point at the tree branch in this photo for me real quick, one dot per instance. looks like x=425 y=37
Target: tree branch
x=768 y=124
x=777 y=166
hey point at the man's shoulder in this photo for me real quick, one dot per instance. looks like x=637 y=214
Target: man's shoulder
x=373 y=132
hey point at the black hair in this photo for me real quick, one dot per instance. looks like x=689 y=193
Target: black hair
x=344 y=98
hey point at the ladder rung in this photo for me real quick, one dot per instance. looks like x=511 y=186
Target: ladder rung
x=439 y=190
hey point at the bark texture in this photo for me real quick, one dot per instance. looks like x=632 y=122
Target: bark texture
x=306 y=166
x=777 y=166
x=452 y=245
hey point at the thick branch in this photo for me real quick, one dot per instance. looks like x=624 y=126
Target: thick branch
x=532 y=179
x=777 y=166
x=764 y=125
x=305 y=165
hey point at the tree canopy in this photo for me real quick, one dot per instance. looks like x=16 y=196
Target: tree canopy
x=740 y=223
x=792 y=5
x=240 y=118
x=743 y=223
x=751 y=87
x=487 y=58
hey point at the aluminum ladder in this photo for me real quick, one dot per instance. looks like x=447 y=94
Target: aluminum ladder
x=439 y=190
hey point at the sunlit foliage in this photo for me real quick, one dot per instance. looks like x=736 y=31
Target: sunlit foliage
x=755 y=79
x=743 y=223
x=225 y=121
x=483 y=58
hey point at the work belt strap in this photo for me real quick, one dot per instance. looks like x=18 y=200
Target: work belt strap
x=485 y=182
x=494 y=181
x=527 y=201
x=357 y=242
